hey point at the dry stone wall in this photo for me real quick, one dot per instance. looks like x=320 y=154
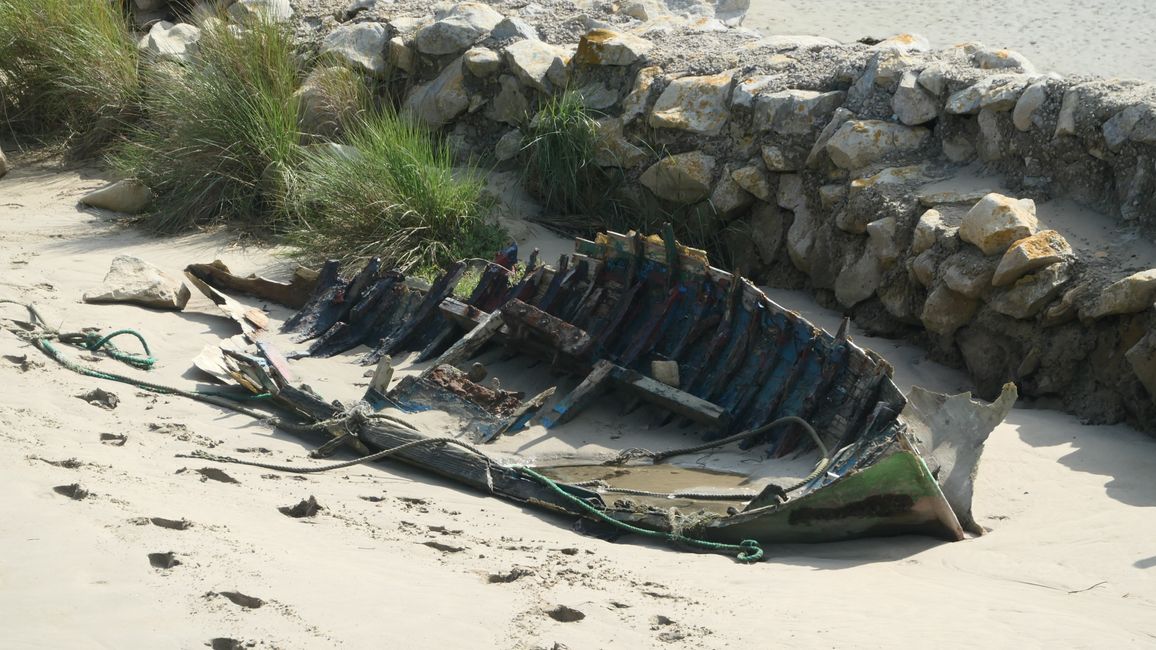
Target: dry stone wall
x=904 y=186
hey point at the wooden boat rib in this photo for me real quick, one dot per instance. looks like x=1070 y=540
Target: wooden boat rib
x=650 y=319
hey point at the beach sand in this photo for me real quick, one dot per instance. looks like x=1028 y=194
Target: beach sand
x=1068 y=561
x=1108 y=38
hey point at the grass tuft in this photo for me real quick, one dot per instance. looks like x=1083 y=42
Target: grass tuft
x=393 y=194
x=220 y=138
x=560 y=168
x=67 y=65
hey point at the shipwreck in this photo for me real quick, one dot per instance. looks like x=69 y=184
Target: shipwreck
x=737 y=418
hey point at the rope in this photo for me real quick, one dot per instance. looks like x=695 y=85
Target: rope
x=747 y=550
x=658 y=456
x=349 y=463
x=94 y=342
x=697 y=496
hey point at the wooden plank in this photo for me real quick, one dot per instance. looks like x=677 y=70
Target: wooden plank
x=581 y=397
x=295 y=293
x=468 y=345
x=328 y=284
x=559 y=334
x=669 y=397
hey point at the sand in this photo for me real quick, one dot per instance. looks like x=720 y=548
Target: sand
x=1108 y=38
x=1068 y=560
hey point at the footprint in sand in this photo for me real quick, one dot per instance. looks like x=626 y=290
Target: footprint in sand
x=564 y=614
x=214 y=474
x=114 y=439
x=171 y=524
x=238 y=598
x=307 y=508
x=163 y=560
x=74 y=491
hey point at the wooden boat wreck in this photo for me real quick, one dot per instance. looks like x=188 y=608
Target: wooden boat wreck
x=786 y=433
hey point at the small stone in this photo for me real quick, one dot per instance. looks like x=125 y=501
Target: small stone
x=166 y=40
x=482 y=62
x=861 y=142
x=929 y=228
x=795 y=112
x=133 y=280
x=969 y=100
x=694 y=104
x=350 y=11
x=989 y=144
x=923 y=267
x=729 y=197
x=859 y=281
x=801 y=235
x=1136 y=123
x=1066 y=121
x=747 y=90
x=881 y=240
x=912 y=104
x=754 y=180
x=682 y=178
x=609 y=47
x=967 y=272
x=996 y=221
x=1030 y=253
x=932 y=79
x=946 y=311
x=840 y=117
x=1003 y=97
x=1031 y=293
x=637 y=102
x=597 y=96
x=127 y=196
x=791 y=195
x=1133 y=294
x=465 y=24
x=614 y=150
x=1142 y=358
x=510 y=104
x=361 y=45
x=830 y=195
x=400 y=54
x=906 y=175
x=509 y=146
x=537 y=64
x=278 y=10
x=440 y=100
x=904 y=43
x=513 y=29
x=1028 y=103
x=1000 y=59
x=767 y=226
x=777 y=161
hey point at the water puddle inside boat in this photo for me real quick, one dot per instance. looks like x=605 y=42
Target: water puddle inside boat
x=663 y=479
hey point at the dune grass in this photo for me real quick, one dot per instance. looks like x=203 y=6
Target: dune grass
x=220 y=138
x=68 y=70
x=393 y=194
x=559 y=159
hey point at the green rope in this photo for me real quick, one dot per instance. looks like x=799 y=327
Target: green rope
x=95 y=342
x=748 y=550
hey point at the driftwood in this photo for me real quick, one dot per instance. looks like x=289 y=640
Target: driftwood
x=294 y=293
